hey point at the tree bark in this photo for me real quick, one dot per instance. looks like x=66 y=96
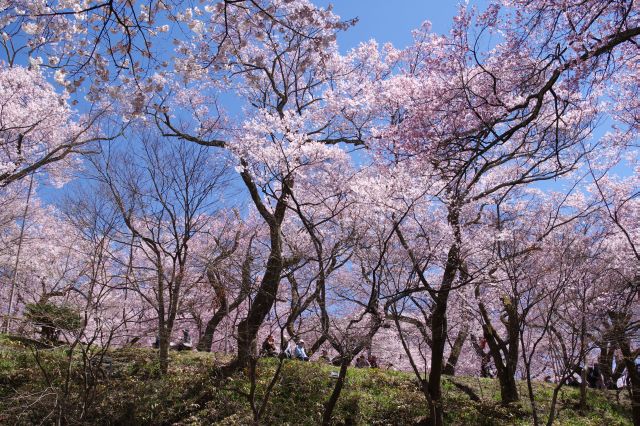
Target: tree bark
x=439 y=332
x=263 y=301
x=337 y=389
x=164 y=351
x=634 y=378
x=205 y=343
x=456 y=349
x=266 y=296
x=504 y=354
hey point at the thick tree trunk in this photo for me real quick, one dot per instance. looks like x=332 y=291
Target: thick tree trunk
x=504 y=353
x=262 y=303
x=439 y=337
x=439 y=320
x=508 y=389
x=634 y=379
x=266 y=296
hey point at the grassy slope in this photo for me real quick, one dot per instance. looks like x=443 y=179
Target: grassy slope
x=191 y=394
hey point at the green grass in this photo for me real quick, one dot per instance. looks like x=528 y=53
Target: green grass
x=194 y=394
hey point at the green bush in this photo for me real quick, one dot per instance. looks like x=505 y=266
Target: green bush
x=194 y=393
x=52 y=319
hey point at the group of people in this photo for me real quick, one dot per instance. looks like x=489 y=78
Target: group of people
x=298 y=351
x=183 y=344
x=595 y=379
x=269 y=349
x=369 y=362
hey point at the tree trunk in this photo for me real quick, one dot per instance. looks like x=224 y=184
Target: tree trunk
x=262 y=303
x=634 y=378
x=456 y=349
x=552 y=409
x=508 y=388
x=439 y=337
x=583 y=387
x=164 y=351
x=504 y=353
x=204 y=345
x=439 y=321
x=266 y=296
x=331 y=403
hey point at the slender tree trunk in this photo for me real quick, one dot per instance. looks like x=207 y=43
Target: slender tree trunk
x=583 y=372
x=164 y=351
x=552 y=409
x=532 y=400
x=583 y=388
x=205 y=343
x=14 y=279
x=331 y=403
x=456 y=349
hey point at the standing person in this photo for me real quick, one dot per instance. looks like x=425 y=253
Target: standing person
x=300 y=352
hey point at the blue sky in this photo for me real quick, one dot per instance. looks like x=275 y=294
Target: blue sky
x=385 y=23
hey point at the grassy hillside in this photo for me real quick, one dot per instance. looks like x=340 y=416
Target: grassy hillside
x=194 y=394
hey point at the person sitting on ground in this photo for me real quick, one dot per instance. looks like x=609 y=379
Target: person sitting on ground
x=156 y=344
x=572 y=382
x=269 y=347
x=324 y=357
x=361 y=362
x=336 y=360
x=288 y=352
x=299 y=352
x=185 y=343
x=373 y=361
x=593 y=373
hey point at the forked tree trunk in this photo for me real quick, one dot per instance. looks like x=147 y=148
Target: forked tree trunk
x=266 y=295
x=439 y=330
x=262 y=303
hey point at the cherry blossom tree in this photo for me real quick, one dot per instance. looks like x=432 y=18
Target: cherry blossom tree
x=38 y=129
